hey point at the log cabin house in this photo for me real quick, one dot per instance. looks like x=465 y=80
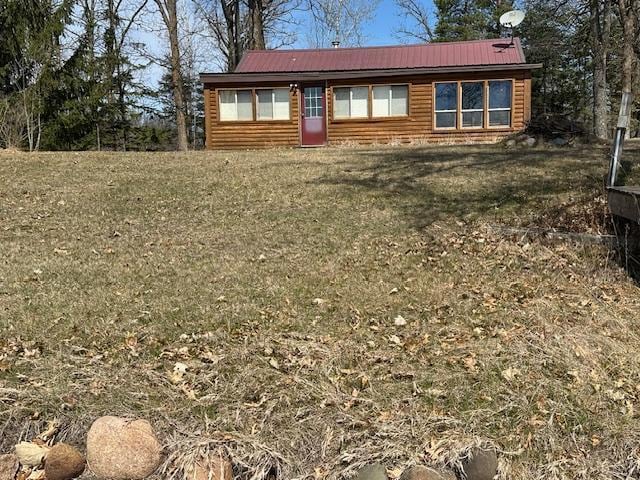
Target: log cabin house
x=476 y=91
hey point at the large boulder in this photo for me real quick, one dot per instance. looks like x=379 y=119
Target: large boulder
x=480 y=464
x=122 y=449
x=215 y=467
x=419 y=472
x=8 y=467
x=374 y=471
x=63 y=462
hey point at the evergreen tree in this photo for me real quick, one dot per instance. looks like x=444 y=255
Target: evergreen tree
x=469 y=19
x=30 y=32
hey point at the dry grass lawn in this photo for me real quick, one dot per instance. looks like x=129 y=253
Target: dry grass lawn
x=257 y=301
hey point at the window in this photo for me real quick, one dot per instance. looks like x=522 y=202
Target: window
x=313 y=102
x=500 y=103
x=273 y=104
x=446 y=104
x=472 y=104
x=351 y=102
x=236 y=105
x=475 y=104
x=390 y=101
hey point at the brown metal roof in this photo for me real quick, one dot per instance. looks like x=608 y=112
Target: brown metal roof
x=432 y=55
x=279 y=77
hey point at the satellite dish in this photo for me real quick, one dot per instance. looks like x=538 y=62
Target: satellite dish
x=512 y=18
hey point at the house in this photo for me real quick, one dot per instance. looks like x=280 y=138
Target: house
x=438 y=92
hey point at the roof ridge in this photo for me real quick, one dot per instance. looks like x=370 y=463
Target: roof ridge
x=408 y=45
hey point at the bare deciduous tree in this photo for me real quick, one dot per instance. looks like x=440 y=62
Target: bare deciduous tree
x=628 y=14
x=340 y=20
x=169 y=13
x=417 y=24
x=600 y=21
x=12 y=124
x=235 y=26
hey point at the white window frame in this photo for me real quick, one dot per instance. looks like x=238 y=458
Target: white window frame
x=320 y=109
x=455 y=111
x=467 y=110
x=273 y=104
x=389 y=100
x=350 y=87
x=489 y=110
x=235 y=94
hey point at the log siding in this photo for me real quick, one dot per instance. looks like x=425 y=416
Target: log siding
x=416 y=127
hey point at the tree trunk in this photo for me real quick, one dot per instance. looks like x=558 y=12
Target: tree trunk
x=239 y=47
x=230 y=11
x=600 y=30
x=169 y=12
x=256 y=10
x=629 y=22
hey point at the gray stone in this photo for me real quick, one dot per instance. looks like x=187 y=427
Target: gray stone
x=510 y=143
x=559 y=141
x=480 y=464
x=375 y=471
x=122 y=449
x=521 y=137
x=419 y=472
x=529 y=141
x=8 y=467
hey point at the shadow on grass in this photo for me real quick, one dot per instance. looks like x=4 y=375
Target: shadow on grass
x=433 y=183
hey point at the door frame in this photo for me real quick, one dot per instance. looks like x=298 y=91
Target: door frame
x=301 y=87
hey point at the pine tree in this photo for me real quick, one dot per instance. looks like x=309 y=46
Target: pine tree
x=468 y=19
x=30 y=32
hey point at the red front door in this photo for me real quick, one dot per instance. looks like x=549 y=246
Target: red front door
x=314 y=126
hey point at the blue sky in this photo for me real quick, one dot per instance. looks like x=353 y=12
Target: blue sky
x=381 y=31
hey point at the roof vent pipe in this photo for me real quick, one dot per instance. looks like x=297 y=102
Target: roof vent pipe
x=335 y=43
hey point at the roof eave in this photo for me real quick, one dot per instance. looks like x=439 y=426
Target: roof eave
x=249 y=77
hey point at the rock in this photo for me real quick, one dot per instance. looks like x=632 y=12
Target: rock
x=375 y=471
x=122 y=449
x=529 y=142
x=480 y=464
x=216 y=467
x=419 y=472
x=30 y=454
x=559 y=141
x=63 y=462
x=510 y=143
x=8 y=467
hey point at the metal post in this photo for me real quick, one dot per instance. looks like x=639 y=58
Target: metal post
x=618 y=139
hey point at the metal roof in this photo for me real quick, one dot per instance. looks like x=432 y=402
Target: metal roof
x=431 y=55
x=283 y=77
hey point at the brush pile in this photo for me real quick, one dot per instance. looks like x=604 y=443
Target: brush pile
x=554 y=125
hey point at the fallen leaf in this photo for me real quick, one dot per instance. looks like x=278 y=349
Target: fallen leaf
x=399 y=321
x=510 y=374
